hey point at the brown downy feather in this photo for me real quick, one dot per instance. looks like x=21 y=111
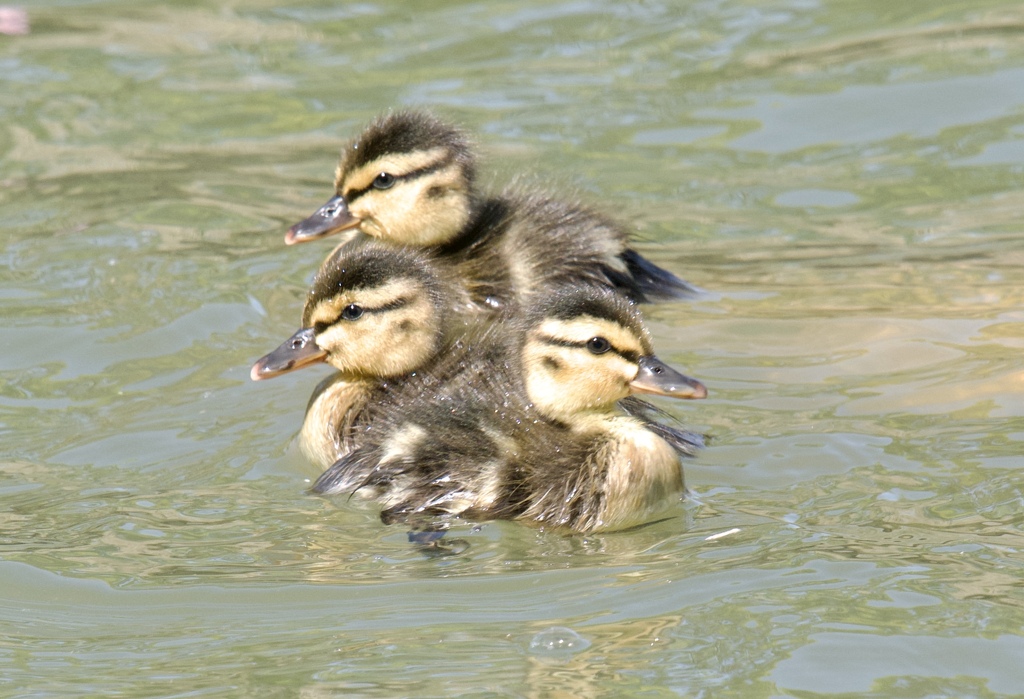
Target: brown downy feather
x=378 y=315
x=474 y=444
x=409 y=180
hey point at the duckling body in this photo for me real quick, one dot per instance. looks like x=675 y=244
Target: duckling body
x=378 y=315
x=409 y=179
x=532 y=432
x=622 y=475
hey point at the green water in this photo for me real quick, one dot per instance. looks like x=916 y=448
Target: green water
x=845 y=178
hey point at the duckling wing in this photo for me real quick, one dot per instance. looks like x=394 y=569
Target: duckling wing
x=462 y=466
x=346 y=475
x=565 y=488
x=652 y=283
x=685 y=443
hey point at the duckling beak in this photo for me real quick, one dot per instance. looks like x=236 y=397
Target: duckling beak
x=662 y=380
x=332 y=217
x=297 y=351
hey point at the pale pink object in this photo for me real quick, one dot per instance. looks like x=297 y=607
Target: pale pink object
x=13 y=20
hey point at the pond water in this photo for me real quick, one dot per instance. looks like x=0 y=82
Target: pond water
x=844 y=178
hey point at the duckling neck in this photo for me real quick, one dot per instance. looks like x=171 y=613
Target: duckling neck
x=484 y=222
x=579 y=419
x=585 y=422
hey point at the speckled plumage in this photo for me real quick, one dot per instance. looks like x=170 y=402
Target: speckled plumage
x=473 y=442
x=507 y=246
x=510 y=419
x=405 y=322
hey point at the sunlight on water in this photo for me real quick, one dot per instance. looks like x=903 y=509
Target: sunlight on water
x=843 y=179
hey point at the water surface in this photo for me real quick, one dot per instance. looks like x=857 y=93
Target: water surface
x=844 y=178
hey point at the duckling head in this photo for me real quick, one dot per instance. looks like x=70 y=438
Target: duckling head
x=407 y=179
x=586 y=348
x=372 y=312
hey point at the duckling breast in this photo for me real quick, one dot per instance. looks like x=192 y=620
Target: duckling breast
x=643 y=473
x=332 y=407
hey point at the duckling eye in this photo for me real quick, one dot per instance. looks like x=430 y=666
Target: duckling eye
x=352 y=312
x=383 y=181
x=598 y=345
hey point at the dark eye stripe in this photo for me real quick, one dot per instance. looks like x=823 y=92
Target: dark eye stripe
x=353 y=194
x=319 y=327
x=628 y=355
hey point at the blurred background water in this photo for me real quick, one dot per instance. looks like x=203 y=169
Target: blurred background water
x=843 y=177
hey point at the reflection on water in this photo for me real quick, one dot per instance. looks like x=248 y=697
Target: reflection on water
x=845 y=180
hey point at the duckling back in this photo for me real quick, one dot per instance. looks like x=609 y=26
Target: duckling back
x=446 y=443
x=550 y=243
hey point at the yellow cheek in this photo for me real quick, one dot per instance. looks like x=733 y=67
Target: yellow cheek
x=566 y=382
x=384 y=345
x=420 y=212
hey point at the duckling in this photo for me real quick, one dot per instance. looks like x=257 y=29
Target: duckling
x=377 y=315
x=545 y=437
x=409 y=179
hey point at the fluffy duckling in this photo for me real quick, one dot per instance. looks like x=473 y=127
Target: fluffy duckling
x=377 y=315
x=409 y=179
x=540 y=437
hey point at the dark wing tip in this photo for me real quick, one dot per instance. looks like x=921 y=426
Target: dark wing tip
x=649 y=282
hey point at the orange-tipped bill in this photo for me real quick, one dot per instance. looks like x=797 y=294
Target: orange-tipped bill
x=657 y=378
x=332 y=217
x=297 y=351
